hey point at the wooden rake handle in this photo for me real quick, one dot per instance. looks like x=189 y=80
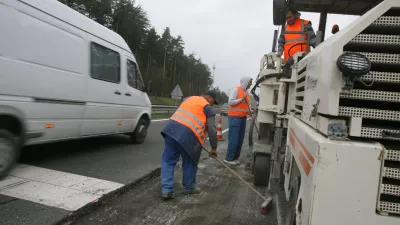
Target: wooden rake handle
x=238 y=176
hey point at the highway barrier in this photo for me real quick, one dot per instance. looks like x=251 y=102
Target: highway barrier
x=171 y=109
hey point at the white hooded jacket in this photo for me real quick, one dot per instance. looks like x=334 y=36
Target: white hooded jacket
x=234 y=93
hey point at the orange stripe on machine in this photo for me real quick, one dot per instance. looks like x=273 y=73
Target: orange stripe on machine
x=300 y=155
x=309 y=155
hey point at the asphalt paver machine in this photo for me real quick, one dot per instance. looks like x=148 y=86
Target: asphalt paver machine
x=329 y=130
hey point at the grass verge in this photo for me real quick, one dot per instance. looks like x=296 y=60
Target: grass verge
x=163 y=101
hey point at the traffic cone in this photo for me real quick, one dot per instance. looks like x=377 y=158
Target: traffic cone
x=219 y=130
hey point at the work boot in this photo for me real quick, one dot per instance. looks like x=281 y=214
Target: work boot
x=191 y=191
x=233 y=163
x=168 y=195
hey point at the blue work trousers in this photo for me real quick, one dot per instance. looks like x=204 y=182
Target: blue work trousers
x=237 y=129
x=173 y=150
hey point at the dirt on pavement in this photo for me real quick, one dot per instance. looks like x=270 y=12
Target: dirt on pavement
x=224 y=200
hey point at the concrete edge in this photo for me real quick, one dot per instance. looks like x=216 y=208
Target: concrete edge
x=76 y=215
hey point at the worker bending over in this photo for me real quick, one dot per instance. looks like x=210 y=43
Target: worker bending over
x=184 y=135
x=239 y=106
x=289 y=43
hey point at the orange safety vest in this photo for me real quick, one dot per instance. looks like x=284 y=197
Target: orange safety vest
x=242 y=108
x=292 y=39
x=191 y=114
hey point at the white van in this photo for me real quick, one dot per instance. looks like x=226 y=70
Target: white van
x=64 y=76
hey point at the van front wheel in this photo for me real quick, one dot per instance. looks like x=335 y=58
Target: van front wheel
x=139 y=135
x=9 y=152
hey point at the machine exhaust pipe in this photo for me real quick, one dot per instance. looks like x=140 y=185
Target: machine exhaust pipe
x=275 y=40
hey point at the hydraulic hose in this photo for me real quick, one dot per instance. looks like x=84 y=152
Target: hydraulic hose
x=268 y=76
x=251 y=128
x=256 y=97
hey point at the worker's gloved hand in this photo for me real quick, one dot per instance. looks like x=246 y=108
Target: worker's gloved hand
x=279 y=54
x=213 y=153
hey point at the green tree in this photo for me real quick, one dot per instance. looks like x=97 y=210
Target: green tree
x=222 y=97
x=152 y=51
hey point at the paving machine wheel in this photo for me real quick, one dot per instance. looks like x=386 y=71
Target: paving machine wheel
x=262 y=169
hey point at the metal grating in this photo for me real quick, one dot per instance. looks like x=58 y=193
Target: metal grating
x=387 y=21
x=299 y=103
x=297 y=110
x=377 y=38
x=385 y=96
x=390 y=189
x=300 y=76
x=382 y=57
x=390 y=207
x=393 y=155
x=370 y=132
x=382 y=77
x=369 y=113
x=388 y=186
x=393 y=173
x=300 y=85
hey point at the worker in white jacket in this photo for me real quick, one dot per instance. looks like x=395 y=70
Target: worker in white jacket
x=239 y=107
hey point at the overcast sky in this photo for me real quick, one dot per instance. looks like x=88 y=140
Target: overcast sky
x=231 y=34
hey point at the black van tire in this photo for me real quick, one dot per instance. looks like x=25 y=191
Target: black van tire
x=9 y=143
x=139 y=135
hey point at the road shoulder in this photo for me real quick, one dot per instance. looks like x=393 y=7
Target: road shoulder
x=223 y=200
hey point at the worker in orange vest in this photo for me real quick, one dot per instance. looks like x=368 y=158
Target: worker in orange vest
x=239 y=104
x=184 y=135
x=291 y=43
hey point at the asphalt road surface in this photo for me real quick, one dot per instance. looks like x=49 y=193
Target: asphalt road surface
x=53 y=180
x=223 y=200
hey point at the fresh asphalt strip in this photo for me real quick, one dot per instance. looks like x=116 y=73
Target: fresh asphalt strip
x=76 y=215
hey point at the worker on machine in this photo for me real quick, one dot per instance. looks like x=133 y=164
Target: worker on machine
x=239 y=107
x=291 y=43
x=184 y=135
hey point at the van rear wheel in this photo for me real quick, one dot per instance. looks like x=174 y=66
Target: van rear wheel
x=9 y=152
x=139 y=135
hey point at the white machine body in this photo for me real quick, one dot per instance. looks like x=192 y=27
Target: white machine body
x=342 y=144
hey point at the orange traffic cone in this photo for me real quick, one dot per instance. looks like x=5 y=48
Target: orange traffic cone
x=219 y=130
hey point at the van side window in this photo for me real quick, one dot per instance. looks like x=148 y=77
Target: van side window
x=134 y=78
x=105 y=64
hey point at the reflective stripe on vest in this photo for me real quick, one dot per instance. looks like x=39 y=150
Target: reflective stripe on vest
x=191 y=114
x=292 y=38
x=242 y=108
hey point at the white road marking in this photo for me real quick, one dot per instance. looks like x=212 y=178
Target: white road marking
x=159 y=120
x=223 y=131
x=54 y=188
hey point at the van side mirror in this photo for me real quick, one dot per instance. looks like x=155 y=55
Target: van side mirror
x=147 y=88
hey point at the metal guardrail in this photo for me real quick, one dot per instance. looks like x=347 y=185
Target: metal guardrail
x=171 y=109
x=163 y=108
